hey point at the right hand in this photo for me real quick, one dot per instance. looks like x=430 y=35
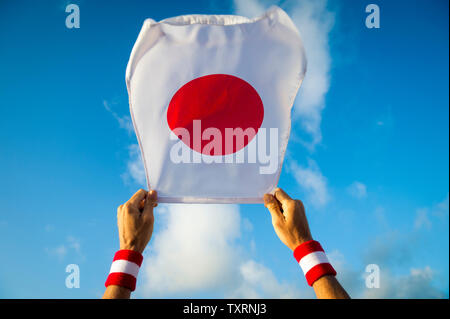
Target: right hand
x=135 y=220
x=288 y=218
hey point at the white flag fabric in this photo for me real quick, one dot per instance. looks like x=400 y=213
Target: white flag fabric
x=211 y=98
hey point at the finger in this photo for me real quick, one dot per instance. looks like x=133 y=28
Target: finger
x=153 y=196
x=137 y=198
x=150 y=202
x=142 y=204
x=281 y=195
x=274 y=208
x=151 y=199
x=283 y=198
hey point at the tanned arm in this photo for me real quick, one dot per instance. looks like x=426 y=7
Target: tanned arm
x=291 y=226
x=135 y=222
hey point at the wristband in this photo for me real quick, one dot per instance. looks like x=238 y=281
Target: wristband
x=313 y=261
x=124 y=269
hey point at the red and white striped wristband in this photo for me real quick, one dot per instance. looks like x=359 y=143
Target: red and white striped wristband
x=313 y=261
x=124 y=269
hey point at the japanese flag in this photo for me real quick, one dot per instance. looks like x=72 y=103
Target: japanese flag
x=210 y=98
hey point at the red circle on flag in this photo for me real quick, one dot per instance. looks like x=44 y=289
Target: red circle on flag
x=221 y=102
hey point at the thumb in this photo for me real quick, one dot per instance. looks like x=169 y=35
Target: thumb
x=150 y=203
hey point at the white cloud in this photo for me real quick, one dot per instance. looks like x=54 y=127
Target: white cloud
x=249 y=8
x=258 y=281
x=380 y=216
x=124 y=121
x=59 y=251
x=425 y=216
x=393 y=251
x=422 y=220
x=312 y=182
x=135 y=172
x=441 y=209
x=357 y=190
x=350 y=279
x=72 y=244
x=314 y=22
x=197 y=251
x=194 y=251
x=135 y=168
x=416 y=284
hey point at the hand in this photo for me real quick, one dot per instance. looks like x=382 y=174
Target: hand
x=135 y=220
x=288 y=218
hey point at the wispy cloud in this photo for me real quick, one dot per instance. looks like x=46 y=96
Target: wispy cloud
x=385 y=119
x=422 y=220
x=314 y=21
x=72 y=244
x=258 y=281
x=312 y=182
x=417 y=284
x=135 y=172
x=357 y=190
x=441 y=209
x=390 y=249
x=395 y=250
x=426 y=215
x=124 y=121
x=249 y=8
x=58 y=251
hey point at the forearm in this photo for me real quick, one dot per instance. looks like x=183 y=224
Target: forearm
x=116 y=292
x=135 y=222
x=328 y=287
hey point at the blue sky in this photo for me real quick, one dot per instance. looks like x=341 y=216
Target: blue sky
x=369 y=155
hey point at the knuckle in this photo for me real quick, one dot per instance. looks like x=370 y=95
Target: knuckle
x=276 y=222
x=291 y=204
x=298 y=203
